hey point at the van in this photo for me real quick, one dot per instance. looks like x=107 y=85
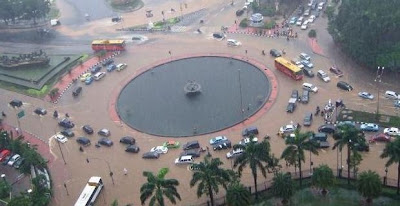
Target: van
x=310 y=87
x=305 y=97
x=188 y=159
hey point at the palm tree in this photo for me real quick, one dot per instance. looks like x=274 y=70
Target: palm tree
x=392 y=150
x=296 y=147
x=157 y=187
x=349 y=136
x=282 y=186
x=369 y=185
x=255 y=155
x=210 y=176
x=237 y=195
x=323 y=178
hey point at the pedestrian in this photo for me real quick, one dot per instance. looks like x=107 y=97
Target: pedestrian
x=55 y=114
x=3 y=114
x=66 y=115
x=322 y=113
x=81 y=149
x=125 y=171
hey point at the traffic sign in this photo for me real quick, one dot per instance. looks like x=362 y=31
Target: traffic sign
x=21 y=114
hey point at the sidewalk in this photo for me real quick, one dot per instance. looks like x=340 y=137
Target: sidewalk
x=315 y=46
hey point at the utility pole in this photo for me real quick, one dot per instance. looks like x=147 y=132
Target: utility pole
x=378 y=80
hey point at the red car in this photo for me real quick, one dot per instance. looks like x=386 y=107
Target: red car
x=4 y=154
x=381 y=137
x=336 y=71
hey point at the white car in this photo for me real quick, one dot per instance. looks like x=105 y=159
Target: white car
x=234 y=153
x=311 y=19
x=13 y=159
x=392 y=95
x=99 y=75
x=159 y=149
x=392 y=131
x=321 y=5
x=297 y=63
x=310 y=87
x=218 y=139
x=323 y=76
x=299 y=21
x=304 y=26
x=121 y=66
x=247 y=140
x=232 y=42
x=287 y=129
x=305 y=56
x=61 y=138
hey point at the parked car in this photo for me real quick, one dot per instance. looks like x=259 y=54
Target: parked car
x=99 y=75
x=312 y=19
x=106 y=142
x=275 y=53
x=222 y=145
x=67 y=133
x=159 y=149
x=218 y=139
x=344 y=85
x=132 y=148
x=83 y=141
x=127 y=140
x=40 y=111
x=85 y=76
x=66 y=123
x=150 y=155
x=307 y=64
x=233 y=42
x=350 y=123
x=191 y=145
x=77 y=91
x=308 y=117
x=308 y=72
x=192 y=152
x=121 y=66
x=252 y=130
x=184 y=160
x=366 y=95
x=87 y=129
x=95 y=69
x=297 y=62
x=89 y=80
x=396 y=103
x=16 y=103
x=327 y=128
x=304 y=26
x=319 y=137
x=108 y=62
x=369 y=127
x=295 y=94
x=336 y=71
x=171 y=144
x=247 y=140
x=381 y=137
x=299 y=21
x=6 y=159
x=111 y=67
x=13 y=159
x=392 y=131
x=310 y=87
x=291 y=106
x=293 y=20
x=305 y=97
x=392 y=95
x=287 y=129
x=305 y=56
x=61 y=138
x=234 y=153
x=18 y=163
x=239 y=12
x=104 y=132
x=323 y=76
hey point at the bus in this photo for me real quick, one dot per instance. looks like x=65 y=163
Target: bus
x=90 y=192
x=108 y=45
x=288 y=68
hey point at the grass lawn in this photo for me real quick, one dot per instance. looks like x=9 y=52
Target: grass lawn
x=359 y=116
x=126 y=5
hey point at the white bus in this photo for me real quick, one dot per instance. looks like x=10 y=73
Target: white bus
x=90 y=192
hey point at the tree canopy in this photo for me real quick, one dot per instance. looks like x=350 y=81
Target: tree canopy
x=26 y=9
x=367 y=31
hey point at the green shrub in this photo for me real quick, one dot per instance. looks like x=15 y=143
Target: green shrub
x=270 y=24
x=38 y=93
x=312 y=33
x=244 y=23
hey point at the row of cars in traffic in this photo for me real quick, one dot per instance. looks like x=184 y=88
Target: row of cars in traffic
x=304 y=16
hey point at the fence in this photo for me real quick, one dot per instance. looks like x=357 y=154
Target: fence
x=306 y=174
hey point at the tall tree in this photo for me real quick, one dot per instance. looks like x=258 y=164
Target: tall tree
x=392 y=151
x=323 y=178
x=210 y=176
x=369 y=185
x=256 y=156
x=237 y=195
x=349 y=136
x=157 y=187
x=297 y=145
x=282 y=186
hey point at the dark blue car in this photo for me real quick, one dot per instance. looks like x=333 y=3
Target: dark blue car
x=95 y=69
x=111 y=67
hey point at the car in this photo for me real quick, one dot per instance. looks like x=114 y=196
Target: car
x=219 y=36
x=306 y=12
x=150 y=155
x=362 y=146
x=291 y=107
x=159 y=149
x=192 y=152
x=218 y=139
x=239 y=12
x=99 y=75
x=67 y=133
x=87 y=129
x=327 y=128
x=85 y=76
x=252 y=130
x=311 y=19
x=116 y=19
x=121 y=66
x=369 y=127
x=127 y=140
x=6 y=159
x=319 y=137
x=392 y=131
x=19 y=162
x=323 y=76
x=344 y=85
x=111 y=67
x=392 y=95
x=77 y=91
x=184 y=160
x=13 y=159
x=275 y=53
x=95 y=69
x=307 y=64
x=66 y=123
x=381 y=137
x=247 y=140
x=222 y=145
x=104 y=132
x=304 y=26
x=191 y=145
x=40 y=111
x=295 y=94
x=350 y=123
x=310 y=3
x=308 y=117
x=297 y=62
x=232 y=42
x=108 y=62
x=308 y=72
x=293 y=20
x=310 y=87
x=106 y=142
x=396 y=103
x=300 y=11
x=234 y=153
x=317 y=14
x=305 y=56
x=89 y=80
x=290 y=128
x=132 y=149
x=83 y=141
x=171 y=144
x=16 y=103
x=321 y=5
x=299 y=21
x=336 y=71
x=366 y=95
x=61 y=138
x=305 y=97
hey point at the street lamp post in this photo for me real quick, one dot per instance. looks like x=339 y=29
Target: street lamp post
x=311 y=164
x=378 y=80
x=108 y=165
x=66 y=189
x=385 y=177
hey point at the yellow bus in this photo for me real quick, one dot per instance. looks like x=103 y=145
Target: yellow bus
x=288 y=68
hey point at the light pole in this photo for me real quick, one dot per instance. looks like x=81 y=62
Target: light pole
x=385 y=178
x=378 y=80
x=66 y=189
x=311 y=164
x=108 y=165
